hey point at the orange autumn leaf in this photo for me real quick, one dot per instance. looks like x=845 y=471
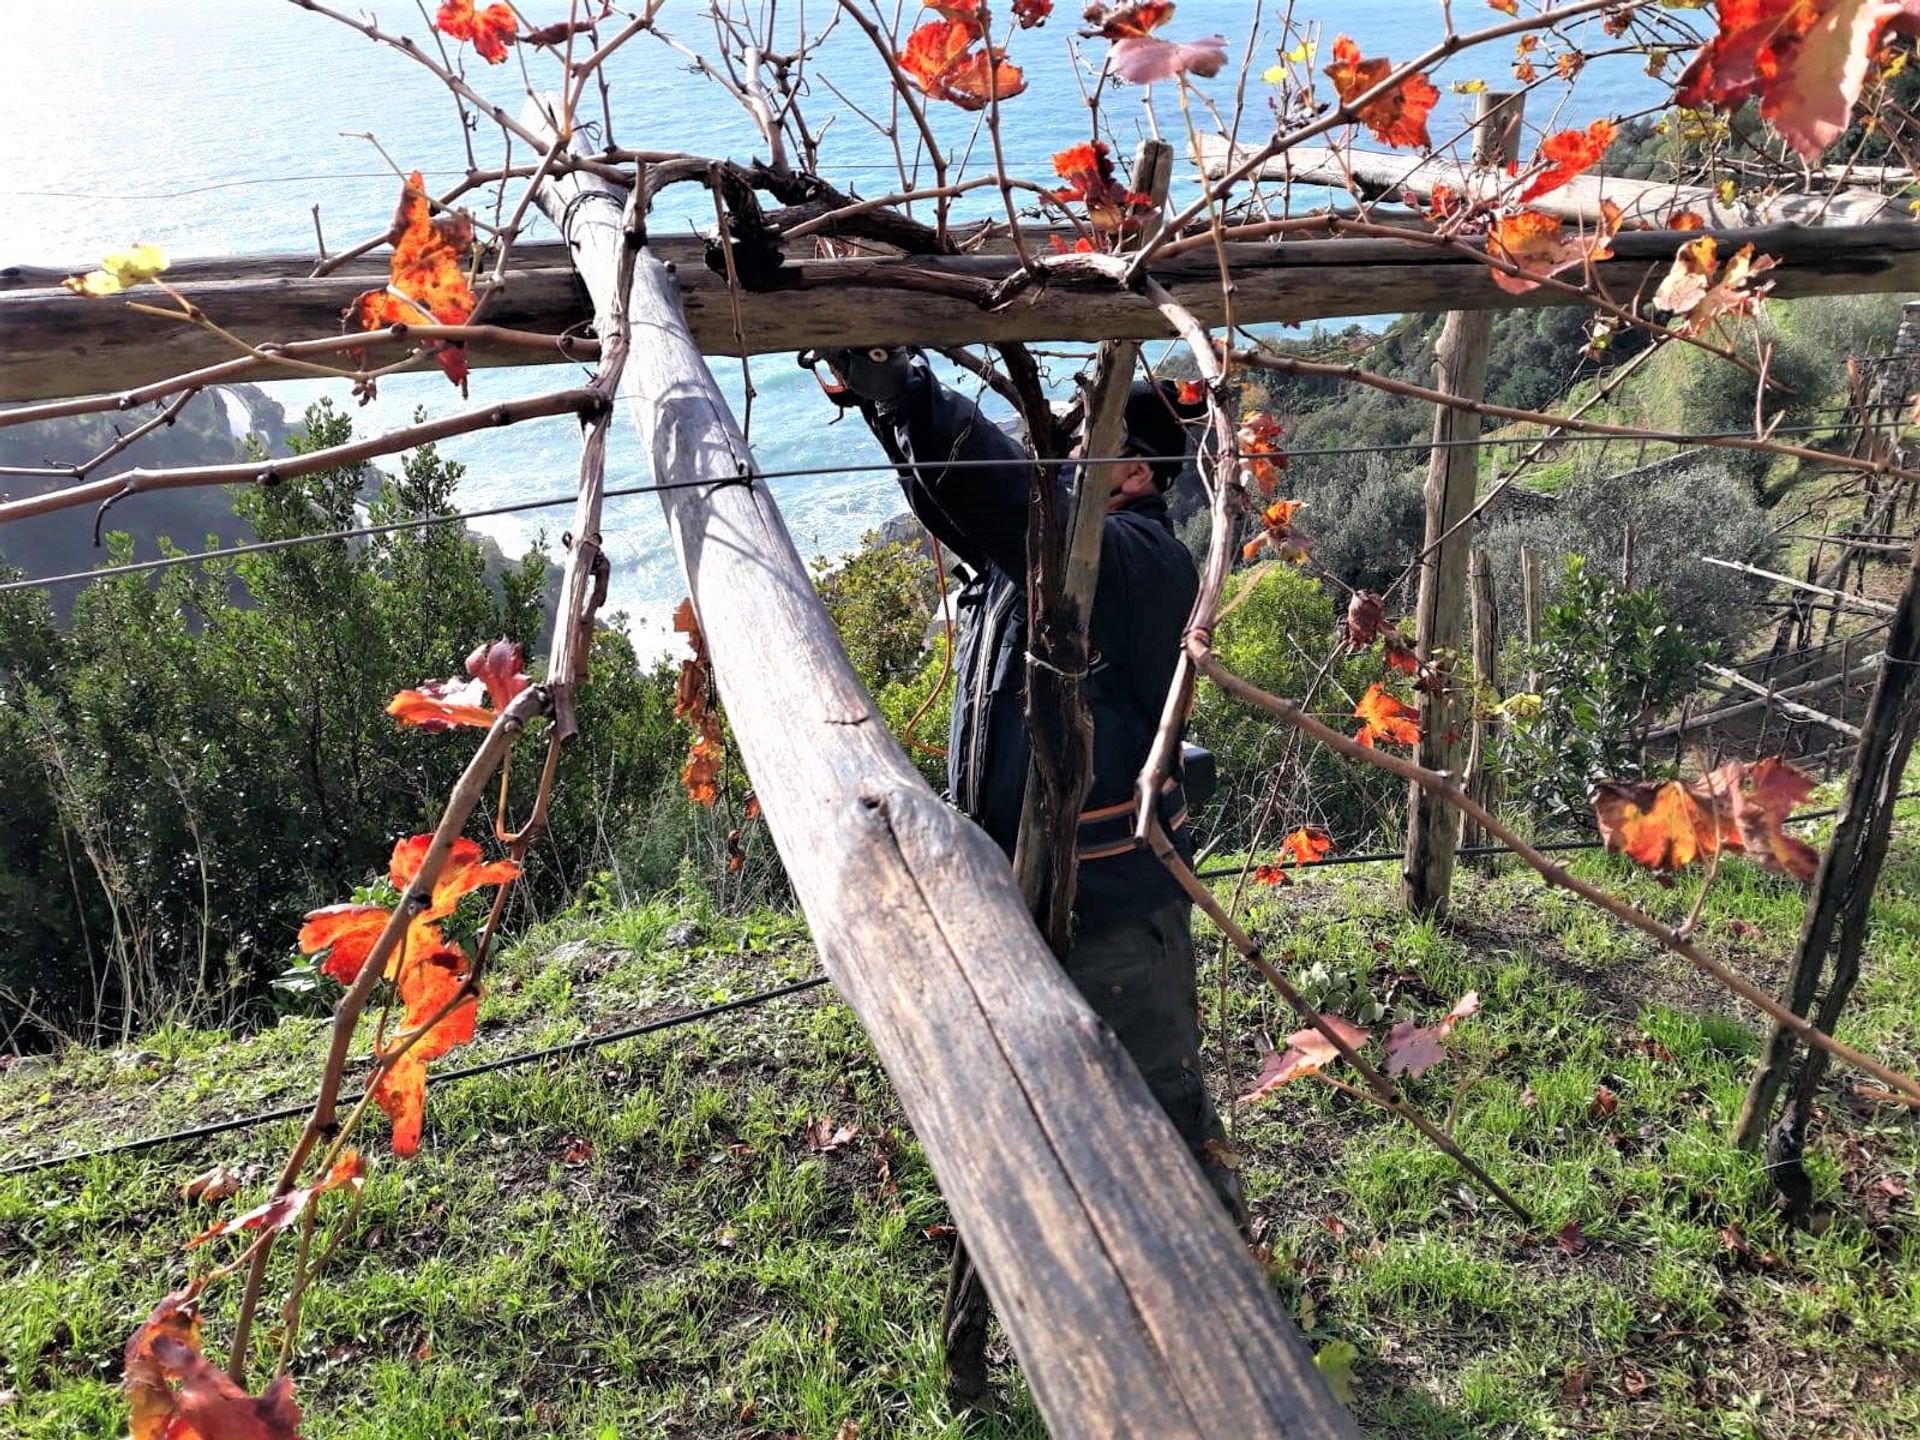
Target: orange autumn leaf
x=1088 y=170
x=348 y=932
x=426 y=986
x=494 y=676
x=490 y=31
x=1413 y=1049
x=1383 y=717
x=1308 y=845
x=941 y=61
x=1567 y=154
x=1398 y=117
x=1807 y=60
x=1739 y=808
x=693 y=703
x=427 y=277
x=1541 y=246
x=174 y=1392
x=1699 y=290
x=462 y=873
x=348 y=1171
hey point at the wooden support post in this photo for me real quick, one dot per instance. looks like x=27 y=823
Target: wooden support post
x=1482 y=779
x=1530 y=609
x=1126 y=1293
x=1433 y=826
x=1838 y=913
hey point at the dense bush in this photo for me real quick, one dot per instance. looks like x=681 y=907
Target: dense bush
x=1608 y=661
x=203 y=754
x=1689 y=510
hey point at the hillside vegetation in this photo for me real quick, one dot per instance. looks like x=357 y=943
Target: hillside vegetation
x=727 y=1230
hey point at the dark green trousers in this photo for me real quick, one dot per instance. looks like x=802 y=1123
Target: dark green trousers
x=1139 y=977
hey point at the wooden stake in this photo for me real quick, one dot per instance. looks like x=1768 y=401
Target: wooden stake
x=1433 y=827
x=1839 y=910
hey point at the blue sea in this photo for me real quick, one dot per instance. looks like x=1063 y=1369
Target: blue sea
x=214 y=127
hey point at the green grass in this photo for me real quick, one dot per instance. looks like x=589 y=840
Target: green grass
x=639 y=1241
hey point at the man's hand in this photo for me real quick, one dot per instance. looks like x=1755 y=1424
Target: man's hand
x=878 y=374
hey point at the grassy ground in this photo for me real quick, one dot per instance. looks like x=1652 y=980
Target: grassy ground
x=652 y=1240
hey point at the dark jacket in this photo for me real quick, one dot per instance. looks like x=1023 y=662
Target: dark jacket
x=1146 y=589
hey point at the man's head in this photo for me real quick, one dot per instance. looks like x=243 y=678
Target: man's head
x=1156 y=426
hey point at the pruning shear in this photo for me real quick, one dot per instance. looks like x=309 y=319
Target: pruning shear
x=830 y=383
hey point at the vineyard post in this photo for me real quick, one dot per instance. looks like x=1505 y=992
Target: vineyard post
x=1482 y=782
x=1126 y=1292
x=1433 y=826
x=1838 y=913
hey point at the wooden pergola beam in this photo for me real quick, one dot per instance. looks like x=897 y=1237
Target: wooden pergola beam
x=54 y=343
x=1128 y=1295
x=1377 y=174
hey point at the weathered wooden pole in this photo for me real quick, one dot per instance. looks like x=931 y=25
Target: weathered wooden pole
x=1482 y=780
x=1123 y=1287
x=1433 y=826
x=55 y=343
x=1838 y=912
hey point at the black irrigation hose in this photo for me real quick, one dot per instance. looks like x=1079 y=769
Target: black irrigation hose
x=528 y=1057
x=1220 y=872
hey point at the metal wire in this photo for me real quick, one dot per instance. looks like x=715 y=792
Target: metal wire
x=504 y=1062
x=1221 y=872
x=804 y=471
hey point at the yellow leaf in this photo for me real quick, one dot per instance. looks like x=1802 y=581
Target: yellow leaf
x=1274 y=74
x=118 y=271
x=1468 y=87
x=1334 y=1361
x=130 y=267
x=1302 y=53
x=1726 y=192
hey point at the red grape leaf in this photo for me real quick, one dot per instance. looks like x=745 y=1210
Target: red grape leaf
x=1385 y=718
x=1567 y=154
x=495 y=675
x=1806 y=59
x=1129 y=21
x=1308 y=845
x=462 y=873
x=941 y=60
x=490 y=30
x=427 y=277
x=1412 y=1048
x=1088 y=171
x=1398 y=117
x=1032 y=12
x=174 y=1393
x=283 y=1210
x=1143 y=60
x=1668 y=825
x=1306 y=1051
x=1540 y=245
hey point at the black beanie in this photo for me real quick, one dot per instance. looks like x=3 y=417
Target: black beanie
x=1156 y=423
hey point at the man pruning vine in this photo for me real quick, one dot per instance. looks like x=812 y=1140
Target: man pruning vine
x=1132 y=949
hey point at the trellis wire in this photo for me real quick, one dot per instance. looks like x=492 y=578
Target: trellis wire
x=1221 y=872
x=504 y=1062
x=550 y=502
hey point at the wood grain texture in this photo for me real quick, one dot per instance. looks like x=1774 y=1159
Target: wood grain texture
x=1128 y=1296
x=1376 y=174
x=54 y=343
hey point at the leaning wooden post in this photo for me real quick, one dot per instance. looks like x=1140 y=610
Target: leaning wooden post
x=1433 y=826
x=1839 y=908
x=1123 y=1287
